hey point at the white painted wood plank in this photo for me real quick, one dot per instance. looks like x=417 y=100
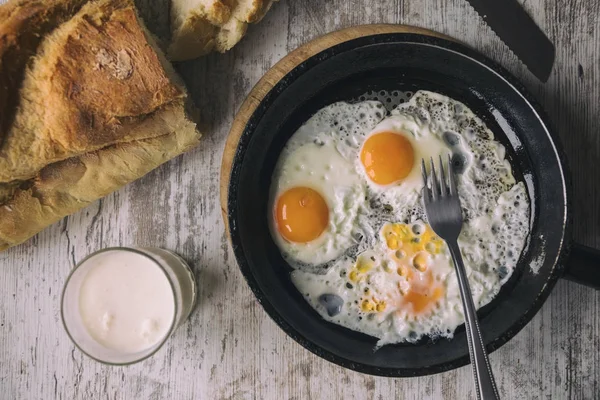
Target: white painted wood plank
x=230 y=349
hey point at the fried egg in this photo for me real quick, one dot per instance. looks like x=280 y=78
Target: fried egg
x=391 y=152
x=364 y=256
x=391 y=292
x=316 y=193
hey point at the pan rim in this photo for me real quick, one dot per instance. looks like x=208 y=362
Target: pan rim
x=422 y=40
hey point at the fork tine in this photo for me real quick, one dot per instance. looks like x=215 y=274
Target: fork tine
x=435 y=189
x=443 y=187
x=451 y=177
x=424 y=173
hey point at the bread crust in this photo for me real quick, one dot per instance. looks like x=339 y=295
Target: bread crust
x=98 y=106
x=102 y=80
x=23 y=25
x=67 y=186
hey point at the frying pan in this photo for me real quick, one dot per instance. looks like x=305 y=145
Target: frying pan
x=405 y=62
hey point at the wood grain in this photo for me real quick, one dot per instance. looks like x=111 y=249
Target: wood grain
x=230 y=349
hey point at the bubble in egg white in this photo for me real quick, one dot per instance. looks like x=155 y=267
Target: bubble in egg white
x=496 y=212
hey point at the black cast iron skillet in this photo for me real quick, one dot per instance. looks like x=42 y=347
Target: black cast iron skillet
x=406 y=62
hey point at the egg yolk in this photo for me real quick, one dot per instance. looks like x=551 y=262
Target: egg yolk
x=412 y=247
x=301 y=214
x=402 y=239
x=423 y=294
x=387 y=157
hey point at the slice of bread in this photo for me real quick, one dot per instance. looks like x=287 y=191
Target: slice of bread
x=201 y=26
x=97 y=105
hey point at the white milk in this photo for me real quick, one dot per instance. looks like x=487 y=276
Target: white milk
x=126 y=301
x=119 y=305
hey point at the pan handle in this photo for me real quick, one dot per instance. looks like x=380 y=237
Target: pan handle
x=583 y=266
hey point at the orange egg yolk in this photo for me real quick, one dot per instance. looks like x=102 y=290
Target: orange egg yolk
x=301 y=214
x=423 y=293
x=413 y=250
x=387 y=157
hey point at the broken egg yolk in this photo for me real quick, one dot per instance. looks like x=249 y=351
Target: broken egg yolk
x=413 y=248
x=409 y=240
x=422 y=293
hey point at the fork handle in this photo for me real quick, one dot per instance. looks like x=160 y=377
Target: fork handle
x=484 y=380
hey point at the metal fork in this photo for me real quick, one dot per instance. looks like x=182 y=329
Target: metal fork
x=442 y=206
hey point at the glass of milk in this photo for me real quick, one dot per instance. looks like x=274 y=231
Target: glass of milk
x=120 y=305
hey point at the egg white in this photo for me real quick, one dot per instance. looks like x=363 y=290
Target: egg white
x=493 y=236
x=312 y=158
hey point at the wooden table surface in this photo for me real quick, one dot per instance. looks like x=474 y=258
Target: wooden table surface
x=230 y=349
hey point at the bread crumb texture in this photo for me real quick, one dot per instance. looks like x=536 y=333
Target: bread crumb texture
x=199 y=27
